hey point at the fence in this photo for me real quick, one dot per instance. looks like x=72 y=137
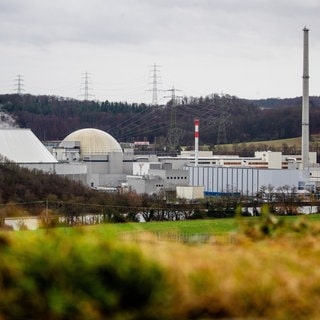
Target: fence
x=177 y=237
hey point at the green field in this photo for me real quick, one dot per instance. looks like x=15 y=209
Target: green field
x=205 y=226
x=296 y=142
x=213 y=226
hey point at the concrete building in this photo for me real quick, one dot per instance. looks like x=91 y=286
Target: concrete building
x=101 y=154
x=261 y=159
x=219 y=174
x=155 y=177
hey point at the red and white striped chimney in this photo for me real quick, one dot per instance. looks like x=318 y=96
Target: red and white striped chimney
x=196 y=142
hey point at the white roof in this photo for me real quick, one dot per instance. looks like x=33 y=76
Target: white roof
x=22 y=146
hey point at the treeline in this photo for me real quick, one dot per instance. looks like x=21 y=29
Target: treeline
x=272 y=103
x=223 y=119
x=53 y=118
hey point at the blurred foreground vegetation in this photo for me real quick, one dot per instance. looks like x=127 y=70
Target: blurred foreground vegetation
x=269 y=271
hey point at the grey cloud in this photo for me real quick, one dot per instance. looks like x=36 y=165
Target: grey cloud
x=58 y=21
x=189 y=22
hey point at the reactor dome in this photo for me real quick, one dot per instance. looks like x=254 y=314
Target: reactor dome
x=93 y=142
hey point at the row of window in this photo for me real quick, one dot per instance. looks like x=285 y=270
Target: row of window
x=259 y=163
x=232 y=163
x=176 y=178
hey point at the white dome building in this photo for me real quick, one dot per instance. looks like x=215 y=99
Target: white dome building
x=101 y=153
x=93 y=142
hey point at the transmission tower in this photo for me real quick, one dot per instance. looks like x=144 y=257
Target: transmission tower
x=19 y=84
x=155 y=82
x=223 y=117
x=222 y=134
x=86 y=82
x=174 y=133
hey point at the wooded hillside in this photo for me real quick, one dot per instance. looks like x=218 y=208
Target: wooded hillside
x=223 y=119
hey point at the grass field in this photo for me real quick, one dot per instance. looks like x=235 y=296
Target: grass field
x=181 y=230
x=212 y=226
x=314 y=139
x=209 y=226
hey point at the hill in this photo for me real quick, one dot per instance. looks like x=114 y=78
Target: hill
x=272 y=103
x=223 y=119
x=287 y=146
x=19 y=184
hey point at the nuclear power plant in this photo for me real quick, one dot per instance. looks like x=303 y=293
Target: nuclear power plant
x=96 y=159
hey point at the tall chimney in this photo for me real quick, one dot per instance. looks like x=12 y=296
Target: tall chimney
x=305 y=101
x=196 y=142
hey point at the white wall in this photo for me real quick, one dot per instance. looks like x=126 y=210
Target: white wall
x=190 y=192
x=274 y=159
x=248 y=181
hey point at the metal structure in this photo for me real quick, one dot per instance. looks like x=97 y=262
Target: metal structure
x=86 y=95
x=223 y=116
x=155 y=84
x=19 y=84
x=174 y=133
x=305 y=101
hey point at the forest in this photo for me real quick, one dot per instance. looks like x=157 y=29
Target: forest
x=223 y=118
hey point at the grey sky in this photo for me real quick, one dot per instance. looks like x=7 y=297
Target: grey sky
x=247 y=48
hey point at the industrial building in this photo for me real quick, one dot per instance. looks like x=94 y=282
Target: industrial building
x=224 y=174
x=97 y=159
x=98 y=151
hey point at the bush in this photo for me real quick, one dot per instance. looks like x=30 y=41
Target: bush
x=76 y=277
x=220 y=212
x=269 y=225
x=196 y=215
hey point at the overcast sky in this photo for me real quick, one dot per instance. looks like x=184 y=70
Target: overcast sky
x=246 y=48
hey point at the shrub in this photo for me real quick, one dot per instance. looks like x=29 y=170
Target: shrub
x=76 y=277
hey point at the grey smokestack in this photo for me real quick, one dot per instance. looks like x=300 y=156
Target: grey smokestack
x=305 y=101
